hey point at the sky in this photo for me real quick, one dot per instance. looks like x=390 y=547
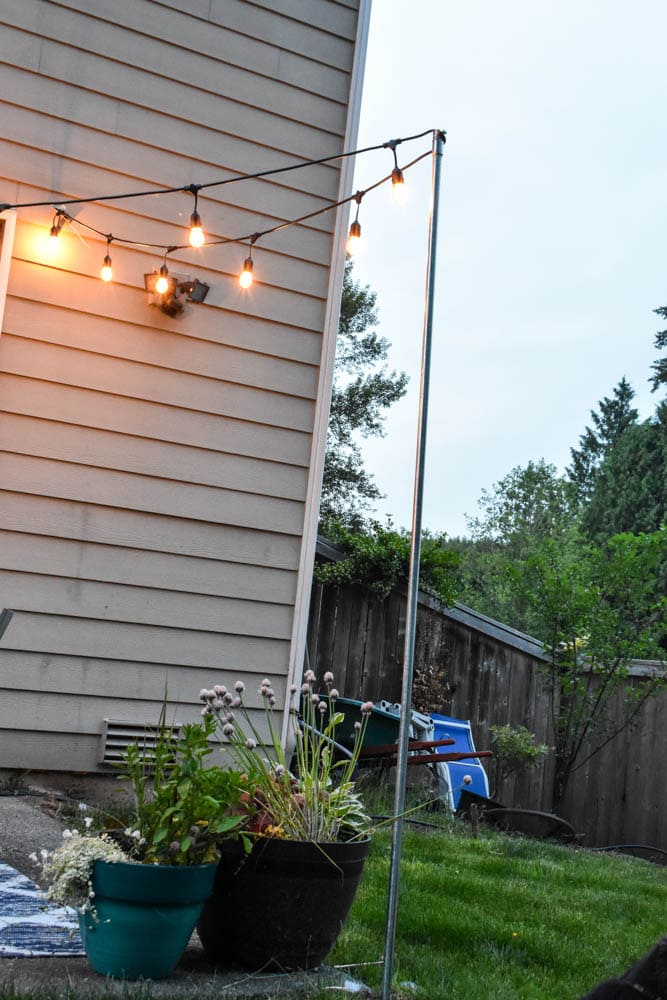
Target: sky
x=551 y=250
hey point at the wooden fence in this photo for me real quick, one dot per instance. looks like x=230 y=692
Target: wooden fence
x=471 y=667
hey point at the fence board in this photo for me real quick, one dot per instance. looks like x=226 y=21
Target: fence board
x=477 y=669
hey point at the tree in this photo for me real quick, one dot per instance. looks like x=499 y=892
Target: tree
x=630 y=492
x=595 y=608
x=614 y=417
x=526 y=506
x=660 y=366
x=528 y=503
x=362 y=391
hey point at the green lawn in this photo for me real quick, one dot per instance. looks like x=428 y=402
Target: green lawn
x=500 y=918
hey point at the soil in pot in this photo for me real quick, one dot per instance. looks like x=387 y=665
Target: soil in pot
x=283 y=905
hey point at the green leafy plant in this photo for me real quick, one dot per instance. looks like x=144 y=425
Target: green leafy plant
x=378 y=557
x=319 y=802
x=596 y=609
x=515 y=750
x=180 y=810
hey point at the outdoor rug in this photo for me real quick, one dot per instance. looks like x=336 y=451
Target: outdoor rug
x=31 y=926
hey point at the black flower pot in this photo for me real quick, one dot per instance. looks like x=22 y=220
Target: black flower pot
x=283 y=905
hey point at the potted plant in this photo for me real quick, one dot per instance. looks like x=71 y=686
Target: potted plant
x=139 y=890
x=309 y=827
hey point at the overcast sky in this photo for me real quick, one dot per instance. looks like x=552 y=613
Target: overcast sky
x=553 y=228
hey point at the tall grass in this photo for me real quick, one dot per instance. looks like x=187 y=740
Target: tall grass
x=500 y=918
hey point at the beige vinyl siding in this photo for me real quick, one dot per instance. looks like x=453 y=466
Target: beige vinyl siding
x=155 y=471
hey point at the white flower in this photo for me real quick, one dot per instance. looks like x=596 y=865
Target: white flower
x=305 y=689
x=227 y=729
x=33 y=857
x=220 y=690
x=44 y=854
x=88 y=822
x=83 y=807
x=203 y=694
x=217 y=704
x=67 y=834
x=328 y=677
x=367 y=708
x=239 y=687
x=322 y=707
x=250 y=743
x=309 y=675
x=333 y=694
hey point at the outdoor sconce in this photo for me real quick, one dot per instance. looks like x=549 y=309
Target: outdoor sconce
x=177 y=292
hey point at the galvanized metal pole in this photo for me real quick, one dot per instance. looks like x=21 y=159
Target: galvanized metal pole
x=413 y=580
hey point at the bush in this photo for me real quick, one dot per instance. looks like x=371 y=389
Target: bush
x=378 y=557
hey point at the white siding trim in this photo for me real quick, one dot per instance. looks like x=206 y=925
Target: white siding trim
x=7 y=228
x=312 y=506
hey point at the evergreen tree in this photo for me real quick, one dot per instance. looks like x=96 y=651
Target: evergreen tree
x=362 y=391
x=614 y=416
x=660 y=366
x=630 y=492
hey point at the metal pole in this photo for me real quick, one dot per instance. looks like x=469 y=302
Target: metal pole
x=413 y=579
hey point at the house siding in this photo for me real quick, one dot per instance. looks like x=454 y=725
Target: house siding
x=155 y=472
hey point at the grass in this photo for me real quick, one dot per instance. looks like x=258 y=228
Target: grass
x=488 y=918
x=500 y=918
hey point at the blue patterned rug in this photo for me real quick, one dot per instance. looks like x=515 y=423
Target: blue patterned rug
x=31 y=926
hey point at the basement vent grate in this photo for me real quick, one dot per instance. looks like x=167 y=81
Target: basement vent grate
x=117 y=736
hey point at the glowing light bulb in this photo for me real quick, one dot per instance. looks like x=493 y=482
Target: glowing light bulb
x=196 y=232
x=398 y=186
x=53 y=241
x=354 y=237
x=162 y=283
x=106 y=274
x=246 y=277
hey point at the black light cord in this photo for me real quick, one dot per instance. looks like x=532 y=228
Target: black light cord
x=194 y=188
x=252 y=237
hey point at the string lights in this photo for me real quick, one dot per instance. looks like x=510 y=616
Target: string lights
x=197 y=238
x=397 y=176
x=163 y=282
x=106 y=274
x=56 y=226
x=246 y=275
x=354 y=236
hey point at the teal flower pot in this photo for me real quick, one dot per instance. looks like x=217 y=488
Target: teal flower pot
x=143 y=916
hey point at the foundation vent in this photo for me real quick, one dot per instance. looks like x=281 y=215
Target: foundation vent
x=117 y=736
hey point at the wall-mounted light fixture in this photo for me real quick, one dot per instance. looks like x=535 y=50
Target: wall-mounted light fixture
x=170 y=292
